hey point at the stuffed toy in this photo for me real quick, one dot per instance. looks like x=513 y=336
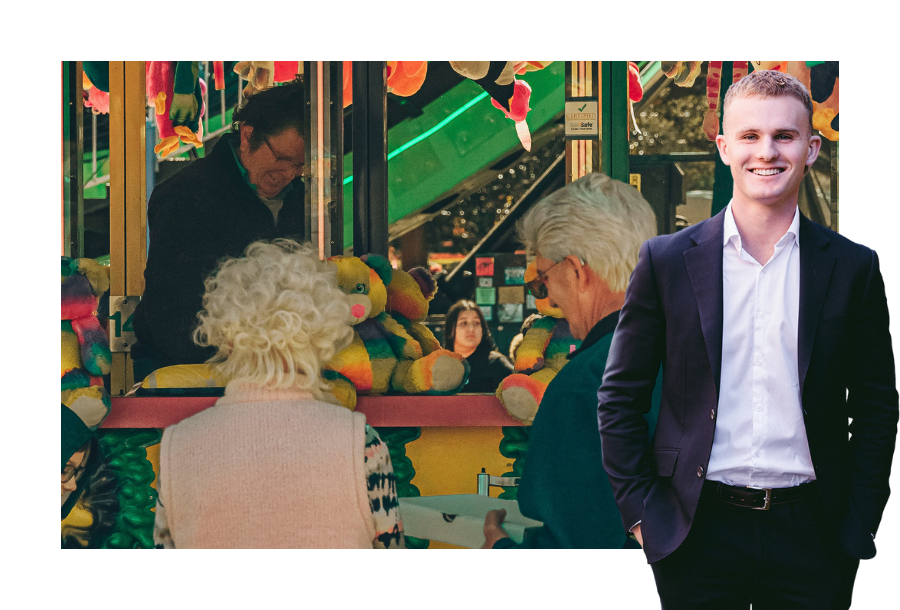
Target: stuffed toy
x=540 y=356
x=85 y=347
x=261 y=75
x=408 y=296
x=684 y=73
x=94 y=98
x=383 y=355
x=404 y=78
x=823 y=88
x=176 y=92
x=511 y=96
x=635 y=92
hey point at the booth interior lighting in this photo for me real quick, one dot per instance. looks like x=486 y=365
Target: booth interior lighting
x=431 y=131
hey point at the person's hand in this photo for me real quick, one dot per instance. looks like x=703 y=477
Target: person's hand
x=637 y=534
x=492 y=527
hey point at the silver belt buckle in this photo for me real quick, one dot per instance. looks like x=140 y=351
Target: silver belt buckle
x=767 y=500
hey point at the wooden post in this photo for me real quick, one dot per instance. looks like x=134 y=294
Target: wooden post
x=127 y=210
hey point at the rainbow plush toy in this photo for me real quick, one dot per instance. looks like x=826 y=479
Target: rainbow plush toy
x=85 y=347
x=540 y=356
x=383 y=356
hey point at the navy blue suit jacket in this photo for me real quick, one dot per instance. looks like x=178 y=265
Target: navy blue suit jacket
x=673 y=316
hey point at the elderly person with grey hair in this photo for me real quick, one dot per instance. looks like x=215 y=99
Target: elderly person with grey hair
x=271 y=464
x=585 y=238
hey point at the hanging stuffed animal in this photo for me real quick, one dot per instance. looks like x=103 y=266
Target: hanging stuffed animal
x=511 y=96
x=176 y=92
x=404 y=78
x=683 y=73
x=823 y=88
x=261 y=75
x=539 y=358
x=635 y=91
x=518 y=111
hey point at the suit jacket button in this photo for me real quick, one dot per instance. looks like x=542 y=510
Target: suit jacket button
x=700 y=471
x=712 y=413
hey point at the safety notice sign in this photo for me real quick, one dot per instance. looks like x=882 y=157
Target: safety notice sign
x=582 y=118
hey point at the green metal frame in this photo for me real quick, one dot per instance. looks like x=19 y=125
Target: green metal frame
x=614 y=119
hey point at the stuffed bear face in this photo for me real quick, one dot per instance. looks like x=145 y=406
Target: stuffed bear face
x=364 y=288
x=543 y=305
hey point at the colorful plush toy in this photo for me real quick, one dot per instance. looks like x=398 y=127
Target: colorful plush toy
x=823 y=88
x=85 y=347
x=383 y=356
x=261 y=75
x=540 y=356
x=684 y=73
x=498 y=79
x=176 y=92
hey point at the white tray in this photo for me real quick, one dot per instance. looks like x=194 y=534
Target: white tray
x=459 y=519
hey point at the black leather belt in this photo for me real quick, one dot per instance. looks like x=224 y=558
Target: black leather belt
x=757 y=498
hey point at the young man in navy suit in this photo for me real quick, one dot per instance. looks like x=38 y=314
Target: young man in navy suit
x=768 y=473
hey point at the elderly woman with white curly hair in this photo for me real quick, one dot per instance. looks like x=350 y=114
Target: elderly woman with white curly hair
x=271 y=464
x=585 y=239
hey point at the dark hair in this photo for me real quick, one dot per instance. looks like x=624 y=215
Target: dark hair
x=271 y=111
x=450 y=325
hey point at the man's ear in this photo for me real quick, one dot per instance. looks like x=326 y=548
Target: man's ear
x=722 y=145
x=580 y=270
x=246 y=132
x=815 y=144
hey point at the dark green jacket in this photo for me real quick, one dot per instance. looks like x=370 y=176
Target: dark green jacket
x=563 y=483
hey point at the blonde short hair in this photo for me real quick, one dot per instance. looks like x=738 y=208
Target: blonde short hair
x=769 y=83
x=276 y=314
x=601 y=220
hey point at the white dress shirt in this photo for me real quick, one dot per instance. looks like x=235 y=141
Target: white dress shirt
x=760 y=437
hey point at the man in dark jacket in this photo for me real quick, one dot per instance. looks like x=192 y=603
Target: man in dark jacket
x=248 y=188
x=585 y=238
x=757 y=488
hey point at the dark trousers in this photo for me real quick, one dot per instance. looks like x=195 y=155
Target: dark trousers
x=780 y=559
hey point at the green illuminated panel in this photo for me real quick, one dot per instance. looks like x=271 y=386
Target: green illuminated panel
x=457 y=135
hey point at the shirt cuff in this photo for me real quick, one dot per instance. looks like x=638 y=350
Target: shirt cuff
x=631 y=529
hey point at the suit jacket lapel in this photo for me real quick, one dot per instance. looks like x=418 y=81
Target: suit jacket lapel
x=704 y=267
x=816 y=265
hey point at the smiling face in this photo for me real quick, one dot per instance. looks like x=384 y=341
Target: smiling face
x=275 y=162
x=767 y=145
x=468 y=332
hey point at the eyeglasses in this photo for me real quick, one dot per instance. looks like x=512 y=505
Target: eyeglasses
x=537 y=287
x=297 y=167
x=71 y=471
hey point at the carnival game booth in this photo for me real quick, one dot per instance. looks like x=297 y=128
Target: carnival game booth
x=425 y=165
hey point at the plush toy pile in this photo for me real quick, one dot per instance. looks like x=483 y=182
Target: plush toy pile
x=85 y=347
x=391 y=350
x=384 y=355
x=540 y=356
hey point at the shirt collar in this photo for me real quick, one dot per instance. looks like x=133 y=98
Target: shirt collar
x=600 y=330
x=730 y=230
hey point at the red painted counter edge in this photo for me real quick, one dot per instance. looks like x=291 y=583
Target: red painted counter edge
x=461 y=410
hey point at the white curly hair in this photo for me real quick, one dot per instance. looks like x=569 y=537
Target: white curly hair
x=601 y=220
x=276 y=315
